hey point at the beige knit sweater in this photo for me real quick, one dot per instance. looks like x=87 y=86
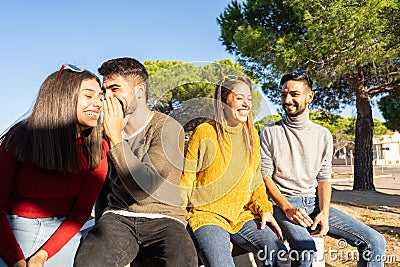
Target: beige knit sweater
x=146 y=170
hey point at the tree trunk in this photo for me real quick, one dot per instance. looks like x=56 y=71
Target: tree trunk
x=363 y=156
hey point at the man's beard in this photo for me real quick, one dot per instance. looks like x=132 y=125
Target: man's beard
x=297 y=112
x=132 y=106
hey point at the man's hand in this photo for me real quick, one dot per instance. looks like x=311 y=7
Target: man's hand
x=294 y=214
x=324 y=196
x=113 y=120
x=323 y=220
x=267 y=217
x=298 y=216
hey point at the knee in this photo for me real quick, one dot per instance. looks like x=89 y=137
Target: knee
x=377 y=242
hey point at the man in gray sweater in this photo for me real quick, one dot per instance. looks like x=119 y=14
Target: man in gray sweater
x=143 y=214
x=296 y=156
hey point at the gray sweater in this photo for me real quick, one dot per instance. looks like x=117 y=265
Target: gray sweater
x=146 y=170
x=297 y=154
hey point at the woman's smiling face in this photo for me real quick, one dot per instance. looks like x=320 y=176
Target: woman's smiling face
x=238 y=105
x=89 y=104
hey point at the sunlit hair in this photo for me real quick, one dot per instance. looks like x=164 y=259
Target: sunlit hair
x=47 y=138
x=129 y=68
x=222 y=91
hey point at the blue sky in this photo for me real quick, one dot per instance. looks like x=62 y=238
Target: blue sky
x=38 y=36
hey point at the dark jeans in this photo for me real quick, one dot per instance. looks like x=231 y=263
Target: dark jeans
x=116 y=241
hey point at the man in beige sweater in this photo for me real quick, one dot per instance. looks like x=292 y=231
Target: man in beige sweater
x=143 y=215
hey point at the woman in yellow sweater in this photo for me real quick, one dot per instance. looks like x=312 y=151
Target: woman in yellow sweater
x=222 y=185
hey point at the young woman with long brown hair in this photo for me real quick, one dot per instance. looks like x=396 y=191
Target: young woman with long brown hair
x=53 y=164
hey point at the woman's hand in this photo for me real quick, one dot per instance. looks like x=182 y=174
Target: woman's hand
x=38 y=259
x=20 y=263
x=268 y=217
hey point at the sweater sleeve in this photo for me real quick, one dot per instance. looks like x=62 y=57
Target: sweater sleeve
x=159 y=165
x=267 y=162
x=325 y=173
x=10 y=250
x=81 y=208
x=259 y=203
x=190 y=168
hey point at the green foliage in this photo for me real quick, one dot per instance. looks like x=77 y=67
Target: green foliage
x=390 y=107
x=335 y=41
x=380 y=128
x=186 y=91
x=392 y=28
x=349 y=47
x=267 y=120
x=343 y=129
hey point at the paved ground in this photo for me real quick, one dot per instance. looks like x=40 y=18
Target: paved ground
x=386 y=181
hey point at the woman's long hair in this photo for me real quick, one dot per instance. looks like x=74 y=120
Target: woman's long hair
x=47 y=138
x=223 y=90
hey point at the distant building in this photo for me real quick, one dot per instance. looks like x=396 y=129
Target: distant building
x=387 y=149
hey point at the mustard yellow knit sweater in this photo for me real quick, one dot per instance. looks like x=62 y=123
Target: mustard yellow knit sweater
x=226 y=193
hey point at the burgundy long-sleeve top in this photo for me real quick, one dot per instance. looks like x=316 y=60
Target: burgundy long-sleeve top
x=32 y=192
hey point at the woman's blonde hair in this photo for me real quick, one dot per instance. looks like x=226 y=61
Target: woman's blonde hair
x=223 y=90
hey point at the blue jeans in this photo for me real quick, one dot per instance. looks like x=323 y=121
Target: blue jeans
x=370 y=244
x=31 y=234
x=213 y=244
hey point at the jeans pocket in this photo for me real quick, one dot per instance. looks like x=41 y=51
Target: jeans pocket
x=26 y=232
x=12 y=217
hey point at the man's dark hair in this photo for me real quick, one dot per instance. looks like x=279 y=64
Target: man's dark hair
x=124 y=67
x=297 y=76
